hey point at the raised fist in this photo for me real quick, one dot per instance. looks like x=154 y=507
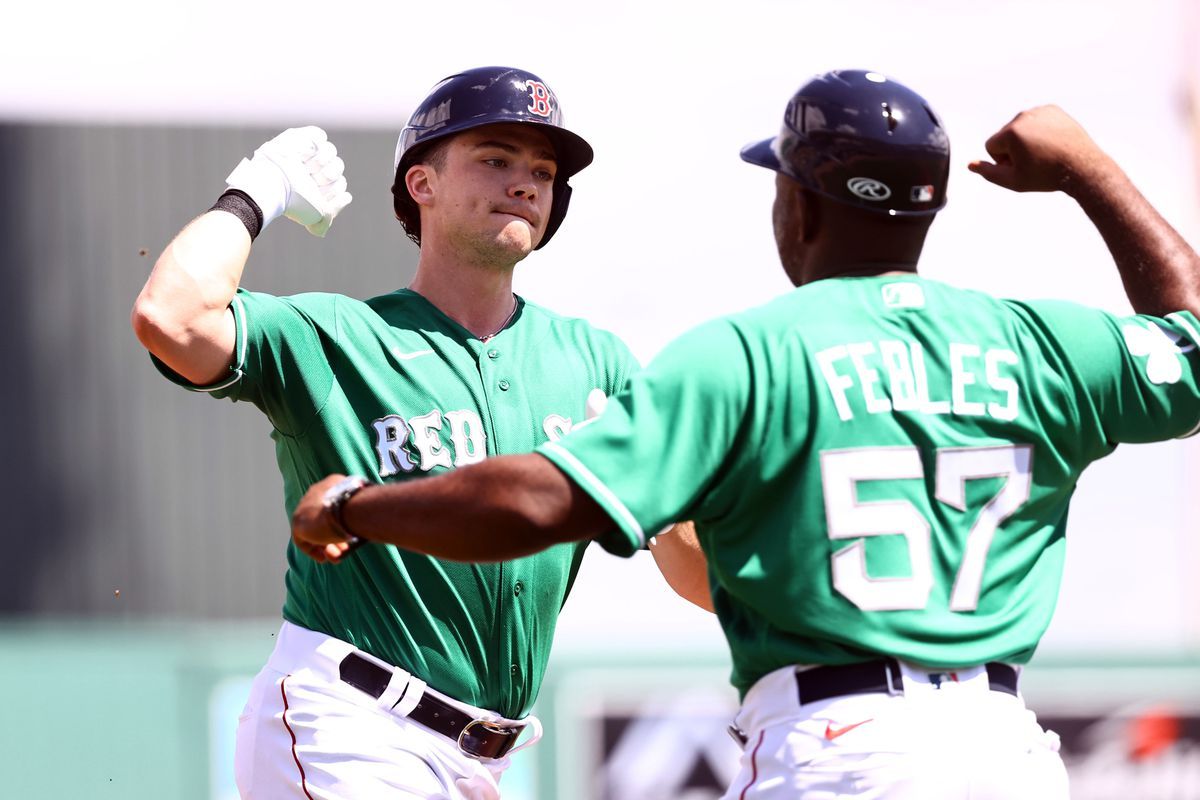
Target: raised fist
x=297 y=175
x=1041 y=150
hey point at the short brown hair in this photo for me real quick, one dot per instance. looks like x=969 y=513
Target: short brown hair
x=407 y=210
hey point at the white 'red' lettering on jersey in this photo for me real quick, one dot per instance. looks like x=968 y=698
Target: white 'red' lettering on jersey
x=890 y=376
x=394 y=437
x=426 y=430
x=466 y=432
x=391 y=434
x=464 y=443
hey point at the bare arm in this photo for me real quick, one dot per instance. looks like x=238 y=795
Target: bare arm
x=1045 y=150
x=500 y=509
x=683 y=564
x=503 y=508
x=182 y=314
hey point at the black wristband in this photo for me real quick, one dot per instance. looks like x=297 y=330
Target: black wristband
x=242 y=206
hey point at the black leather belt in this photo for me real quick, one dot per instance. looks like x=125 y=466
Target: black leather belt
x=883 y=676
x=475 y=737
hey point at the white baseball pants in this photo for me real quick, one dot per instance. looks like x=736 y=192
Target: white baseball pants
x=305 y=733
x=936 y=739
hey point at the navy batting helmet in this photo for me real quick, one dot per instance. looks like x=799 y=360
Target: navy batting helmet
x=860 y=138
x=487 y=96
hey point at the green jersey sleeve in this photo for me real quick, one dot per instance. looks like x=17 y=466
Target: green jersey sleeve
x=620 y=364
x=1136 y=376
x=280 y=343
x=678 y=420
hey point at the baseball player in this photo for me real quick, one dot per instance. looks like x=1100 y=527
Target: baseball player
x=880 y=471
x=397 y=674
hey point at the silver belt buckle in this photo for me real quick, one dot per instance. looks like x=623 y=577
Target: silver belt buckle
x=468 y=740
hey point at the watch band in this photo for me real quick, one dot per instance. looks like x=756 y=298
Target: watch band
x=335 y=500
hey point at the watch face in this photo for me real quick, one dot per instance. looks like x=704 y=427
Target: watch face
x=341 y=490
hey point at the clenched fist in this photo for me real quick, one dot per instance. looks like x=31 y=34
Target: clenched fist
x=1042 y=150
x=297 y=175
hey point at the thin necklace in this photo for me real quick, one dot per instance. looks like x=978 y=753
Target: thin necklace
x=504 y=324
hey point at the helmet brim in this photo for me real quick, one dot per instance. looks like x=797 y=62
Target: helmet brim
x=762 y=154
x=572 y=151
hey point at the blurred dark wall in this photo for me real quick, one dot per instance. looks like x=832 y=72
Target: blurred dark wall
x=112 y=478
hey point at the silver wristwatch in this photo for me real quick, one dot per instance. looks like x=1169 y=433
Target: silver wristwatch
x=335 y=499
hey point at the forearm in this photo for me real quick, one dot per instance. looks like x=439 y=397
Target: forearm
x=501 y=509
x=182 y=312
x=1044 y=150
x=1160 y=270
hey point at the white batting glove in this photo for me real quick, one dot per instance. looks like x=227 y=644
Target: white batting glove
x=297 y=175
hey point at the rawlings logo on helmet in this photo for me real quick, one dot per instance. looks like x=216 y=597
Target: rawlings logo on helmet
x=868 y=189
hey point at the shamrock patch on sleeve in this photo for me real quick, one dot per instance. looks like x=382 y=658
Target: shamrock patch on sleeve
x=1160 y=347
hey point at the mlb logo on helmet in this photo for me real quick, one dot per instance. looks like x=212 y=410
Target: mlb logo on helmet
x=921 y=194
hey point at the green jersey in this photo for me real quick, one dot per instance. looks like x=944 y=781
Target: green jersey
x=882 y=465
x=393 y=389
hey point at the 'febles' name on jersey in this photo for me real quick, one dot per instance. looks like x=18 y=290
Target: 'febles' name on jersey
x=982 y=379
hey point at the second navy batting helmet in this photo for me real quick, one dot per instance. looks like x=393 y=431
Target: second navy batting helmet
x=487 y=96
x=863 y=139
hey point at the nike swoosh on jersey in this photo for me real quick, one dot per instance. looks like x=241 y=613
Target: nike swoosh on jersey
x=398 y=353
x=832 y=733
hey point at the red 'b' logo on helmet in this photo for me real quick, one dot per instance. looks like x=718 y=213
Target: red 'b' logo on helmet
x=539 y=97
